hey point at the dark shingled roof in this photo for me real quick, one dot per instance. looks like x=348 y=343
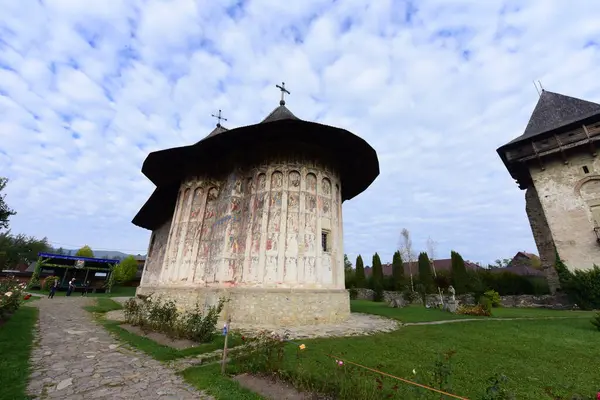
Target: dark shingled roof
x=279 y=113
x=553 y=111
x=356 y=159
x=218 y=129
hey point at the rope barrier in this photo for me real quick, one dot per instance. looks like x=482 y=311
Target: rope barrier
x=398 y=378
x=388 y=375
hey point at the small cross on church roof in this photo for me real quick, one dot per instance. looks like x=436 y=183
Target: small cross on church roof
x=283 y=92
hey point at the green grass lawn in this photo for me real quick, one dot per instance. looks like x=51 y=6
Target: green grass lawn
x=222 y=387
x=533 y=354
x=16 y=340
x=422 y=314
x=117 y=291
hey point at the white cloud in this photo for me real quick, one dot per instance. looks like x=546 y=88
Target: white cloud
x=87 y=90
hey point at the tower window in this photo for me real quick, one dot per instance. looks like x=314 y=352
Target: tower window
x=325 y=241
x=586 y=170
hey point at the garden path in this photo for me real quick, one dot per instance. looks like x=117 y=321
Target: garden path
x=451 y=321
x=75 y=358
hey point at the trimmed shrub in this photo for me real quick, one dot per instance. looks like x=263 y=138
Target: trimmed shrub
x=486 y=303
x=353 y=292
x=596 y=321
x=494 y=298
x=410 y=296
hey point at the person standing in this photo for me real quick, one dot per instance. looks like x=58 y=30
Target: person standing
x=71 y=286
x=53 y=289
x=86 y=286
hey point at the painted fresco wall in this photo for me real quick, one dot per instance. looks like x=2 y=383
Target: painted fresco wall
x=257 y=228
x=156 y=254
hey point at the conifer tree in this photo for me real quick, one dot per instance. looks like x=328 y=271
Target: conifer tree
x=459 y=273
x=398 y=271
x=377 y=272
x=361 y=282
x=425 y=273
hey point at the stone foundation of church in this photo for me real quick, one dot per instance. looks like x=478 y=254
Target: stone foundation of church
x=281 y=307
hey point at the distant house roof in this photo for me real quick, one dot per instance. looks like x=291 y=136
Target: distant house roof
x=443 y=264
x=519 y=270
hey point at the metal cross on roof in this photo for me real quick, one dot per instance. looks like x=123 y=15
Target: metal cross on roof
x=283 y=91
x=219 y=118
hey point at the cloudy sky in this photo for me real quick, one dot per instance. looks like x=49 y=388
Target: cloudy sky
x=89 y=88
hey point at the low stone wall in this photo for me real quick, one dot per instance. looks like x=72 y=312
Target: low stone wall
x=280 y=307
x=557 y=301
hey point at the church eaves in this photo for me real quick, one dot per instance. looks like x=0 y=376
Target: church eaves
x=554 y=111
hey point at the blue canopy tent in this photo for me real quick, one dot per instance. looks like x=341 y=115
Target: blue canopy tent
x=83 y=269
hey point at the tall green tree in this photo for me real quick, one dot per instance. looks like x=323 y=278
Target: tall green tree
x=349 y=273
x=425 y=272
x=460 y=278
x=17 y=249
x=361 y=281
x=125 y=271
x=5 y=211
x=398 y=271
x=377 y=276
x=85 y=251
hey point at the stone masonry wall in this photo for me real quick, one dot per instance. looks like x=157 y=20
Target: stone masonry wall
x=567 y=193
x=280 y=307
x=542 y=236
x=557 y=301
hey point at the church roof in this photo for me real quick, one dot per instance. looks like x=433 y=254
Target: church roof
x=218 y=129
x=356 y=160
x=279 y=113
x=554 y=111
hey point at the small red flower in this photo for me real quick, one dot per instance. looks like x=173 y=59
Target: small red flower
x=243 y=338
x=598 y=396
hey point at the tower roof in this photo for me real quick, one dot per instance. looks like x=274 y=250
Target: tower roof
x=355 y=159
x=554 y=111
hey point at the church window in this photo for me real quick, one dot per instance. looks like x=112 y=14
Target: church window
x=586 y=170
x=325 y=241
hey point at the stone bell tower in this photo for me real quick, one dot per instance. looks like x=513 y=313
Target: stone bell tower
x=555 y=161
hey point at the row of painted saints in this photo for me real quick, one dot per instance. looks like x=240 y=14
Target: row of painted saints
x=214 y=208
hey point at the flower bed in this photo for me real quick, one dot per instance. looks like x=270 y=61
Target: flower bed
x=11 y=296
x=154 y=314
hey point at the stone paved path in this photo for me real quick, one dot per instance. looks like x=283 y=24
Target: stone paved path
x=77 y=359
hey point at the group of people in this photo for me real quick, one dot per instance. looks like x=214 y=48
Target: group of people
x=70 y=289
